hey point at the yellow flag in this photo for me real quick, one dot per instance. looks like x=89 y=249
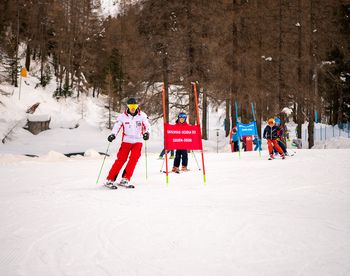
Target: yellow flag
x=24 y=72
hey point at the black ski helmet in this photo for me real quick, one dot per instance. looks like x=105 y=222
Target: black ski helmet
x=131 y=101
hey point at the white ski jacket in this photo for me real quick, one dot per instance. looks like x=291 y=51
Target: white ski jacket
x=133 y=126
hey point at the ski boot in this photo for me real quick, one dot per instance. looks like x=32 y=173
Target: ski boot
x=184 y=169
x=110 y=184
x=175 y=170
x=125 y=183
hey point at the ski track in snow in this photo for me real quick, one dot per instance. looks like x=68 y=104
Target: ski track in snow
x=254 y=217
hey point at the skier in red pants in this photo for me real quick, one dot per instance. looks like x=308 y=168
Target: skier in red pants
x=135 y=127
x=271 y=134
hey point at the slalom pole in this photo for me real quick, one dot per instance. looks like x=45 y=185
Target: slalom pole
x=236 y=109
x=20 y=87
x=239 y=136
x=104 y=158
x=146 y=159
x=256 y=126
x=195 y=158
x=199 y=125
x=239 y=147
x=161 y=169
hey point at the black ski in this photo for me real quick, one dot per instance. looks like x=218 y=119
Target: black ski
x=127 y=186
x=112 y=187
x=178 y=172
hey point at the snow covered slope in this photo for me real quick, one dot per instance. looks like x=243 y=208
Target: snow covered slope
x=76 y=124
x=254 y=217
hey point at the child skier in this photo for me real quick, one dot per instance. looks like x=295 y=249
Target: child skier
x=180 y=153
x=270 y=133
x=257 y=143
x=135 y=127
x=234 y=140
x=280 y=136
x=161 y=155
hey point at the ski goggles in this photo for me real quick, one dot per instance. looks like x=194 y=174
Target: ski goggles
x=133 y=106
x=184 y=116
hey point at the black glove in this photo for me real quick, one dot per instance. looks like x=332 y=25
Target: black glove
x=146 y=136
x=111 y=137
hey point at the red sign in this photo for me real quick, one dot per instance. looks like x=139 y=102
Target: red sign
x=248 y=143
x=182 y=137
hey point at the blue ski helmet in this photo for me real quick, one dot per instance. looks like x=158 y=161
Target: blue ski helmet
x=277 y=121
x=182 y=115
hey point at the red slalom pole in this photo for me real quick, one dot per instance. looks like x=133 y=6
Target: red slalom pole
x=199 y=124
x=166 y=151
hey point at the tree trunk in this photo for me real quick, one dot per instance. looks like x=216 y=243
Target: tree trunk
x=166 y=85
x=232 y=104
x=42 y=68
x=279 y=83
x=310 y=128
x=312 y=72
x=204 y=115
x=191 y=64
x=299 y=98
x=28 y=52
x=227 y=118
x=340 y=109
x=109 y=85
x=300 y=120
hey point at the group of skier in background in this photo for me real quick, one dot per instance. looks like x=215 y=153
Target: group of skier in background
x=275 y=133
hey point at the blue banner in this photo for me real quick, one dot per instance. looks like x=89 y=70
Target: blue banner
x=247 y=129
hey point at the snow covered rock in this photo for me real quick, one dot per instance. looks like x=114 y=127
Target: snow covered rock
x=91 y=153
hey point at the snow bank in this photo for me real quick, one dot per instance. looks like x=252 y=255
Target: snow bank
x=9 y=158
x=53 y=156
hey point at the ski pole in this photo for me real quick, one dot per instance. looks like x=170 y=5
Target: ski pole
x=161 y=169
x=195 y=158
x=104 y=158
x=146 y=159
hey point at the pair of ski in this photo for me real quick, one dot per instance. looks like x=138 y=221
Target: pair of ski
x=178 y=172
x=115 y=186
x=273 y=158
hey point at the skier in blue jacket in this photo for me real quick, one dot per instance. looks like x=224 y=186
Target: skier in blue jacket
x=280 y=136
x=234 y=140
x=257 y=143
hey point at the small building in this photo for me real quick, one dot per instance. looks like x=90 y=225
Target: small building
x=38 y=123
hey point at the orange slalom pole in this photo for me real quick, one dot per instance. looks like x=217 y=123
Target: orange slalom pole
x=199 y=124
x=166 y=151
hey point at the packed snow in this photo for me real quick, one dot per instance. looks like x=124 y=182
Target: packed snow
x=253 y=217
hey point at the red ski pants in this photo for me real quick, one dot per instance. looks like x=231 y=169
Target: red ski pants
x=122 y=156
x=273 y=144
